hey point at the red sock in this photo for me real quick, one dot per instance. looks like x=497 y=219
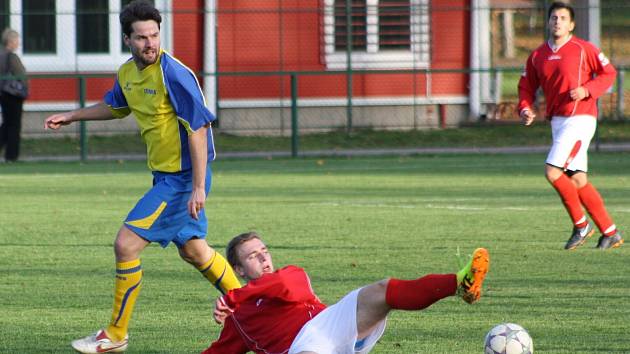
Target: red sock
x=569 y=195
x=420 y=293
x=594 y=204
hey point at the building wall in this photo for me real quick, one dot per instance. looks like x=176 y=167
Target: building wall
x=188 y=32
x=285 y=35
x=450 y=41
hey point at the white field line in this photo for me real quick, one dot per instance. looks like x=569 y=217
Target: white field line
x=418 y=206
x=445 y=206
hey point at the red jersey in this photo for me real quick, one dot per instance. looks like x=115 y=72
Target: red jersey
x=268 y=313
x=572 y=65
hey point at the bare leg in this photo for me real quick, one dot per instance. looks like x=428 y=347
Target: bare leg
x=552 y=173
x=371 y=307
x=579 y=179
x=196 y=252
x=128 y=245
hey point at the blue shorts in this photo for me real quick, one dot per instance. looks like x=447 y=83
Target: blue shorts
x=162 y=214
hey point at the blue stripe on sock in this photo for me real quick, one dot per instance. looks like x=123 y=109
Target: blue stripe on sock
x=207 y=268
x=129 y=271
x=216 y=284
x=124 y=302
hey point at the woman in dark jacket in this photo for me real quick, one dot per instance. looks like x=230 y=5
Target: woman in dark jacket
x=11 y=104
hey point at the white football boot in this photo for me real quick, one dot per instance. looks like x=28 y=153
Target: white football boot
x=99 y=342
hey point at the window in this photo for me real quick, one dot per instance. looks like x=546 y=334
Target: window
x=359 y=26
x=92 y=17
x=4 y=14
x=394 y=25
x=76 y=35
x=39 y=26
x=385 y=34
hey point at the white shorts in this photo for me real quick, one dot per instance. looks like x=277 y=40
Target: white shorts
x=566 y=132
x=334 y=331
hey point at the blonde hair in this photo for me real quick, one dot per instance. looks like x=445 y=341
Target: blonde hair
x=8 y=34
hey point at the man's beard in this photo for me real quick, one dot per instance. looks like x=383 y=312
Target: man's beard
x=144 y=60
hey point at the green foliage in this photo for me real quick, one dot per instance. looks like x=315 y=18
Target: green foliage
x=348 y=222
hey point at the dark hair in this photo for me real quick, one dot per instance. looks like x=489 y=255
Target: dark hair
x=556 y=5
x=231 y=249
x=138 y=10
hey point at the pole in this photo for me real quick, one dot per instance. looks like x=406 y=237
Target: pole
x=83 y=126
x=620 y=99
x=349 y=65
x=294 y=116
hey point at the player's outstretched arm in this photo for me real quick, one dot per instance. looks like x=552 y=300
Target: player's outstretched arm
x=99 y=111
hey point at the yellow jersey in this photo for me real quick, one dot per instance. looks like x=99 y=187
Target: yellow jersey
x=168 y=104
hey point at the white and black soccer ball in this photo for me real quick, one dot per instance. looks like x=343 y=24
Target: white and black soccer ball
x=508 y=338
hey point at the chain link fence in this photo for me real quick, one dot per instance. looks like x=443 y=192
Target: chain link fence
x=289 y=68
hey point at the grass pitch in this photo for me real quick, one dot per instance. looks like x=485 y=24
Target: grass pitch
x=348 y=222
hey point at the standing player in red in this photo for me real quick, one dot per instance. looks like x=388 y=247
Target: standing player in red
x=573 y=73
x=278 y=312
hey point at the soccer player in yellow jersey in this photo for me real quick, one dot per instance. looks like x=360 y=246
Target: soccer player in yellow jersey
x=170 y=109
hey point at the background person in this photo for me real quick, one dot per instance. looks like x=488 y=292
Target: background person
x=168 y=104
x=302 y=323
x=573 y=74
x=10 y=64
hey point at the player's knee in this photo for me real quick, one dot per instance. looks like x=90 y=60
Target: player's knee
x=196 y=253
x=187 y=256
x=579 y=179
x=375 y=290
x=124 y=251
x=128 y=245
x=552 y=173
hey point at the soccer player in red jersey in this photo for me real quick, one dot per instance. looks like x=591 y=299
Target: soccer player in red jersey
x=278 y=312
x=573 y=74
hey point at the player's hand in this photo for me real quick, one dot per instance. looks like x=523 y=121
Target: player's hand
x=56 y=121
x=527 y=117
x=196 y=202
x=221 y=311
x=578 y=94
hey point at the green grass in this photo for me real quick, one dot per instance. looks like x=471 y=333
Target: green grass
x=477 y=135
x=348 y=222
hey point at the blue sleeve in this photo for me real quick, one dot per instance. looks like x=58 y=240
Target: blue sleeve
x=116 y=101
x=185 y=94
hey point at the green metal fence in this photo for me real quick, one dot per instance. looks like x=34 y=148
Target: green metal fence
x=293 y=115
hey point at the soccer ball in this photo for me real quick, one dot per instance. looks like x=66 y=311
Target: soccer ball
x=508 y=338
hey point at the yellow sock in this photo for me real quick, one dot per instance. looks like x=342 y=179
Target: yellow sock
x=128 y=284
x=220 y=273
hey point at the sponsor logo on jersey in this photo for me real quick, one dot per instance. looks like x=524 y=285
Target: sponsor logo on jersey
x=603 y=59
x=258 y=302
x=127 y=86
x=149 y=91
x=554 y=57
